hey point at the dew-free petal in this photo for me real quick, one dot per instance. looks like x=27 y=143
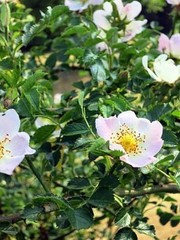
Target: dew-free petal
x=9 y=123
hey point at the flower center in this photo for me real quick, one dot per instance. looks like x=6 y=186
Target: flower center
x=129 y=139
x=83 y=1
x=3 y=150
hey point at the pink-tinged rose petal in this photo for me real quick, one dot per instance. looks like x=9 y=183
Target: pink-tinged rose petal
x=19 y=145
x=106 y=126
x=76 y=5
x=119 y=6
x=9 y=123
x=99 y=18
x=132 y=10
x=164 y=44
x=175 y=45
x=132 y=29
x=8 y=165
x=138 y=138
x=128 y=117
x=139 y=162
x=14 y=145
x=143 y=125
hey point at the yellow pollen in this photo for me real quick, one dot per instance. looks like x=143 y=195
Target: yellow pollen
x=129 y=142
x=129 y=139
x=3 y=149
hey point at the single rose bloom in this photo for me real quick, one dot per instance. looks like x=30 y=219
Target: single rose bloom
x=80 y=5
x=128 y=13
x=164 y=70
x=14 y=145
x=173 y=2
x=138 y=138
x=170 y=45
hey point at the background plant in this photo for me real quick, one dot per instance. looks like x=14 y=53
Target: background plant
x=72 y=175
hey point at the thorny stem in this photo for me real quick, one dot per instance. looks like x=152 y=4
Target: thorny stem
x=156 y=189
x=134 y=193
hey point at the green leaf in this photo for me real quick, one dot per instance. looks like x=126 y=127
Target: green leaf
x=102 y=197
x=106 y=110
x=31 y=80
x=77 y=51
x=123 y=219
x=78 y=183
x=169 y=138
x=176 y=113
x=177 y=178
x=57 y=11
x=43 y=133
x=98 y=72
x=158 y=111
x=6 y=64
x=98 y=147
x=78 y=29
x=164 y=216
x=110 y=181
x=24 y=108
x=145 y=228
x=10 y=230
x=80 y=218
x=75 y=129
x=126 y=234
x=101 y=147
x=32 y=213
x=33 y=98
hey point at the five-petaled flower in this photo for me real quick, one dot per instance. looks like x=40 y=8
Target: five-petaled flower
x=170 y=45
x=80 y=5
x=165 y=69
x=138 y=138
x=127 y=13
x=14 y=145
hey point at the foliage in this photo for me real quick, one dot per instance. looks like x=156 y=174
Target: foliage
x=74 y=180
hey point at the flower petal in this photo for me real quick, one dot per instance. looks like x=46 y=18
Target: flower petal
x=9 y=123
x=164 y=44
x=175 y=45
x=138 y=161
x=19 y=145
x=145 y=65
x=129 y=118
x=106 y=126
x=132 y=10
x=8 y=165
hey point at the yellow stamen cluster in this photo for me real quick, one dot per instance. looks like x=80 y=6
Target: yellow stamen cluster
x=129 y=139
x=3 y=150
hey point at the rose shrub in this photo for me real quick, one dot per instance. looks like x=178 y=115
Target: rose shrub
x=103 y=150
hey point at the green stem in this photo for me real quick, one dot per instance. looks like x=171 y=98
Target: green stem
x=85 y=119
x=165 y=174
x=156 y=189
x=38 y=176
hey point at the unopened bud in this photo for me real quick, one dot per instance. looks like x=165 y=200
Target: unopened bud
x=5 y=14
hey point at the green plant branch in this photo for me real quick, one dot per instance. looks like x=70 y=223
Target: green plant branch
x=134 y=193
x=156 y=189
